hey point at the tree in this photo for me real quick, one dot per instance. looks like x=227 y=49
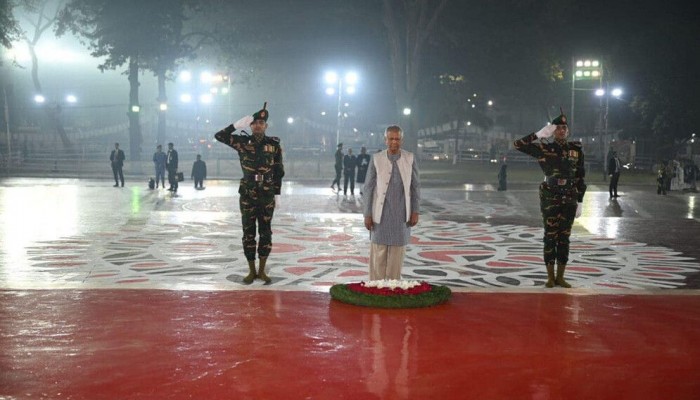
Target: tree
x=9 y=27
x=409 y=26
x=41 y=16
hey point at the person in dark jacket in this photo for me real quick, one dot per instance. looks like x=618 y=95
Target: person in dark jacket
x=199 y=172
x=117 y=159
x=171 y=162
x=349 y=165
x=362 y=166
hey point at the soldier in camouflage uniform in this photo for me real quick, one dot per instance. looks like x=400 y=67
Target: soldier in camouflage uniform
x=261 y=162
x=561 y=193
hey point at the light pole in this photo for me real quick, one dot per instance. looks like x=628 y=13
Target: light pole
x=350 y=80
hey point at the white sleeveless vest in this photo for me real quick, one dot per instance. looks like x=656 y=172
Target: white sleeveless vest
x=384 y=169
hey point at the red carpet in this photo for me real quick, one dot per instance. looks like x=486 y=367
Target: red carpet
x=150 y=344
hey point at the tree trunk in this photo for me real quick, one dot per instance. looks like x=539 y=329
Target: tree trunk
x=135 y=137
x=409 y=24
x=162 y=114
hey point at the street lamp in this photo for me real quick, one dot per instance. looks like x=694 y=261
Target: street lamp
x=616 y=92
x=349 y=80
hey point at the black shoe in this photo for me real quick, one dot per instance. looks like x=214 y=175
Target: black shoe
x=116 y=185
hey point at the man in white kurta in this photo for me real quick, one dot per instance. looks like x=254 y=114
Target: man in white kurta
x=391 y=197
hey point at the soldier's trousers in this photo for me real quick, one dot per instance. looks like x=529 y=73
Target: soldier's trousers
x=257 y=206
x=558 y=214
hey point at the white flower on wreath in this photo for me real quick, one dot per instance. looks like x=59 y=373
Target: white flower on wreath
x=392 y=284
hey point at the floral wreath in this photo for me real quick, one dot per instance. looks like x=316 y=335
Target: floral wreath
x=391 y=294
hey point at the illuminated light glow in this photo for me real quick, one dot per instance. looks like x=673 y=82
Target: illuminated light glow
x=163 y=107
x=330 y=77
x=135 y=200
x=39 y=99
x=206 y=98
x=214 y=90
x=218 y=78
x=406 y=111
x=474 y=95
x=473 y=105
x=490 y=102
x=579 y=63
x=579 y=73
x=185 y=98
x=350 y=90
x=224 y=90
x=330 y=91
x=345 y=115
x=47 y=53
x=587 y=63
x=617 y=92
x=185 y=76
x=600 y=92
x=586 y=73
x=205 y=77
x=346 y=104
x=595 y=74
x=290 y=120
x=71 y=99
x=595 y=63
x=354 y=130
x=323 y=113
x=135 y=108
x=469 y=123
x=351 y=78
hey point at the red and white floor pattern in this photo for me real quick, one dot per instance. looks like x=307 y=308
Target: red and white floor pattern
x=199 y=247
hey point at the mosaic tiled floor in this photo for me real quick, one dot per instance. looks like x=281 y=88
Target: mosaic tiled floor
x=198 y=246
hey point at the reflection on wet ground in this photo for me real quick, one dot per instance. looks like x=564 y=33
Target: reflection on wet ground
x=87 y=234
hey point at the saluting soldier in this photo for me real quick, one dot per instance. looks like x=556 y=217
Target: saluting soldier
x=261 y=162
x=561 y=193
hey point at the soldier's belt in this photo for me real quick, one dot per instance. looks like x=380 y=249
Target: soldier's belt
x=257 y=177
x=555 y=181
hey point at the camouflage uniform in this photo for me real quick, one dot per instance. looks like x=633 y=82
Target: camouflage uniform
x=563 y=187
x=261 y=163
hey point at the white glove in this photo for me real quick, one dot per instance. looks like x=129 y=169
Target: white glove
x=546 y=132
x=278 y=202
x=579 y=209
x=243 y=122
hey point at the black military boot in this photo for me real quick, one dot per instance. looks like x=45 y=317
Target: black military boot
x=560 y=276
x=550 y=275
x=251 y=274
x=261 y=271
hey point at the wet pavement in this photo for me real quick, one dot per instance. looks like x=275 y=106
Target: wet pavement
x=140 y=292
x=86 y=234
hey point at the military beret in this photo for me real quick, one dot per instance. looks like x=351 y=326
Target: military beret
x=262 y=114
x=340 y=145
x=560 y=120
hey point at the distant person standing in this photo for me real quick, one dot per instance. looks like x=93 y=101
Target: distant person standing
x=171 y=162
x=338 y=167
x=159 y=159
x=199 y=172
x=349 y=165
x=362 y=164
x=391 y=205
x=502 y=176
x=117 y=159
x=614 y=169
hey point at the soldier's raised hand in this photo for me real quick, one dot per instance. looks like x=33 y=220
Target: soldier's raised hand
x=243 y=122
x=579 y=209
x=546 y=132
